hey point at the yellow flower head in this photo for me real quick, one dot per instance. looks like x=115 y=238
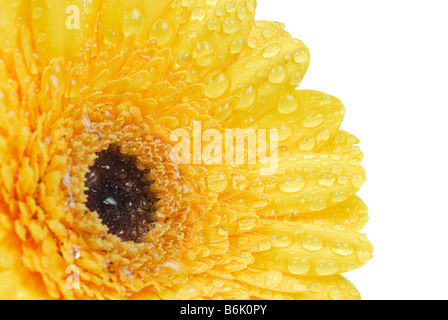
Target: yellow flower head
x=94 y=204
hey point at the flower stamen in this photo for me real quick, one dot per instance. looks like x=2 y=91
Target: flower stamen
x=121 y=194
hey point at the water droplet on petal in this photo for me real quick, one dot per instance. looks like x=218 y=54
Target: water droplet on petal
x=313 y=120
x=217 y=181
x=281 y=241
x=300 y=56
x=247 y=223
x=292 y=184
x=273 y=278
x=237 y=46
x=288 y=104
x=272 y=50
x=326 y=179
x=339 y=196
x=312 y=243
x=198 y=14
x=217 y=86
x=318 y=204
x=298 y=265
x=307 y=144
x=163 y=31
x=342 y=248
x=247 y=98
x=326 y=268
x=131 y=21
x=277 y=75
x=229 y=25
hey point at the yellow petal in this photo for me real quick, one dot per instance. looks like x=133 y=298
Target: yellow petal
x=271 y=64
x=212 y=35
x=273 y=284
x=120 y=19
x=303 y=182
x=16 y=281
x=316 y=247
x=306 y=120
x=58 y=28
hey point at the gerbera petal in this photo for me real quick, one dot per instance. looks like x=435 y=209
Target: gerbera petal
x=120 y=19
x=315 y=247
x=303 y=182
x=306 y=120
x=271 y=64
x=50 y=22
x=273 y=284
x=16 y=282
x=212 y=35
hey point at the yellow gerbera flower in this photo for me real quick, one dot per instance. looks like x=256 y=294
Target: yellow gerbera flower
x=92 y=204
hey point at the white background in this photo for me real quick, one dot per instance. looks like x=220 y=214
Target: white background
x=387 y=60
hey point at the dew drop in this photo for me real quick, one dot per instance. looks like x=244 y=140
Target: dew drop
x=265 y=245
x=267 y=34
x=288 y=104
x=230 y=7
x=284 y=131
x=298 y=265
x=241 y=13
x=273 y=278
x=335 y=294
x=296 y=78
x=364 y=255
x=358 y=180
x=257 y=186
x=326 y=268
x=240 y=182
x=318 y=204
x=300 y=56
x=252 y=43
x=247 y=223
x=307 y=144
x=271 y=50
x=237 y=46
x=204 y=54
x=198 y=14
x=339 y=196
x=37 y=13
x=230 y=25
x=163 y=31
x=183 y=58
x=217 y=86
x=312 y=243
x=247 y=98
x=313 y=120
x=326 y=179
x=292 y=219
x=281 y=241
x=292 y=184
x=342 y=248
x=323 y=134
x=251 y=5
x=131 y=21
x=217 y=181
x=277 y=75
x=213 y=24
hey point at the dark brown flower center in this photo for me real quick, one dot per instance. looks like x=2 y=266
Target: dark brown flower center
x=120 y=193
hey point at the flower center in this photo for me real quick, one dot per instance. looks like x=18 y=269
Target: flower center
x=120 y=193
